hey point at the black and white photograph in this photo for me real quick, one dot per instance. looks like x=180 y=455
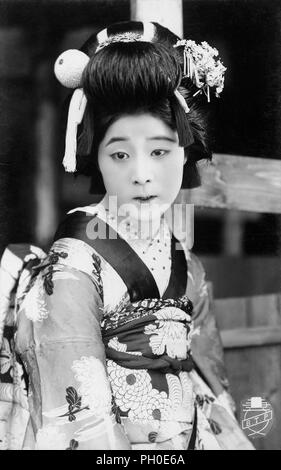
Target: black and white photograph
x=140 y=227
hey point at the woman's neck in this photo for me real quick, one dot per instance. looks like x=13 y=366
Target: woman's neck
x=124 y=222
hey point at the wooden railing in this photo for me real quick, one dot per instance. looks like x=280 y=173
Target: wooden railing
x=239 y=182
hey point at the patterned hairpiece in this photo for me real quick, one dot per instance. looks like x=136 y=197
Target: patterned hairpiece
x=203 y=66
x=124 y=37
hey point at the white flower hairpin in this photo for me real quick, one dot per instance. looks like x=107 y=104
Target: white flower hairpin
x=203 y=66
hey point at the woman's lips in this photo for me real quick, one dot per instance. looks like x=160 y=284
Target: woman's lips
x=144 y=198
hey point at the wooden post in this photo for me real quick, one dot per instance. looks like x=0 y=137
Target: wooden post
x=166 y=12
x=233 y=233
x=46 y=180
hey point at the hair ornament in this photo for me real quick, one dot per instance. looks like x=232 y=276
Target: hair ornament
x=75 y=115
x=203 y=66
x=181 y=101
x=146 y=36
x=69 y=67
x=102 y=36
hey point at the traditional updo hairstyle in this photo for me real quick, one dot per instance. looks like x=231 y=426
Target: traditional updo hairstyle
x=137 y=77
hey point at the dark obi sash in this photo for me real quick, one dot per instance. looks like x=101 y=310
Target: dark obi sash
x=130 y=325
x=135 y=327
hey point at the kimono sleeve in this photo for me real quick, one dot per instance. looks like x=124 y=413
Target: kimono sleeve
x=206 y=343
x=59 y=340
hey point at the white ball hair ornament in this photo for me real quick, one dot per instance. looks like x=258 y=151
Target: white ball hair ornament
x=69 y=67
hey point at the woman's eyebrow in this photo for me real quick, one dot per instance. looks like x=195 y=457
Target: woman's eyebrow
x=116 y=139
x=162 y=137
x=125 y=139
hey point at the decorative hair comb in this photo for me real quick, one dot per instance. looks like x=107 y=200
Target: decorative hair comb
x=203 y=66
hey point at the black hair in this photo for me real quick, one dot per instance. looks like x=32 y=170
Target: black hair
x=133 y=78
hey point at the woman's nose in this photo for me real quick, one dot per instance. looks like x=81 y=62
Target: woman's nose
x=142 y=172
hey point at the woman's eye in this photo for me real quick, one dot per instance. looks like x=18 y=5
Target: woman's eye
x=159 y=153
x=120 y=156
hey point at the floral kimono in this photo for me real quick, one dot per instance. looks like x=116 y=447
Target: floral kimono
x=109 y=342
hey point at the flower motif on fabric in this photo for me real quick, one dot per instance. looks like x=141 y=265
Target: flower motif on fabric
x=73 y=445
x=115 y=344
x=74 y=403
x=134 y=394
x=6 y=357
x=215 y=427
x=74 y=406
x=169 y=334
x=54 y=256
x=206 y=439
x=52 y=259
x=20 y=382
x=112 y=317
x=175 y=391
x=94 y=386
x=201 y=399
x=97 y=274
x=187 y=391
x=34 y=302
x=205 y=403
x=115 y=410
x=126 y=312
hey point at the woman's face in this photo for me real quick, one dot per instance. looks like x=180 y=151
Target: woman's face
x=141 y=164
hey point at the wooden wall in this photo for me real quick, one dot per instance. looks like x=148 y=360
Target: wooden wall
x=251 y=335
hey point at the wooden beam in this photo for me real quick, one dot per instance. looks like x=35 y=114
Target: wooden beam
x=46 y=184
x=166 y=12
x=237 y=182
x=251 y=337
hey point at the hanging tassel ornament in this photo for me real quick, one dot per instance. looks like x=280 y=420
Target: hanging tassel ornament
x=75 y=115
x=189 y=67
x=69 y=68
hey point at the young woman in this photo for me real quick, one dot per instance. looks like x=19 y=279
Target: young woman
x=116 y=345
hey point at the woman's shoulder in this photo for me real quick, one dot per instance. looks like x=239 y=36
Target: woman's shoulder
x=74 y=253
x=75 y=222
x=196 y=284
x=70 y=245
x=74 y=242
x=195 y=266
